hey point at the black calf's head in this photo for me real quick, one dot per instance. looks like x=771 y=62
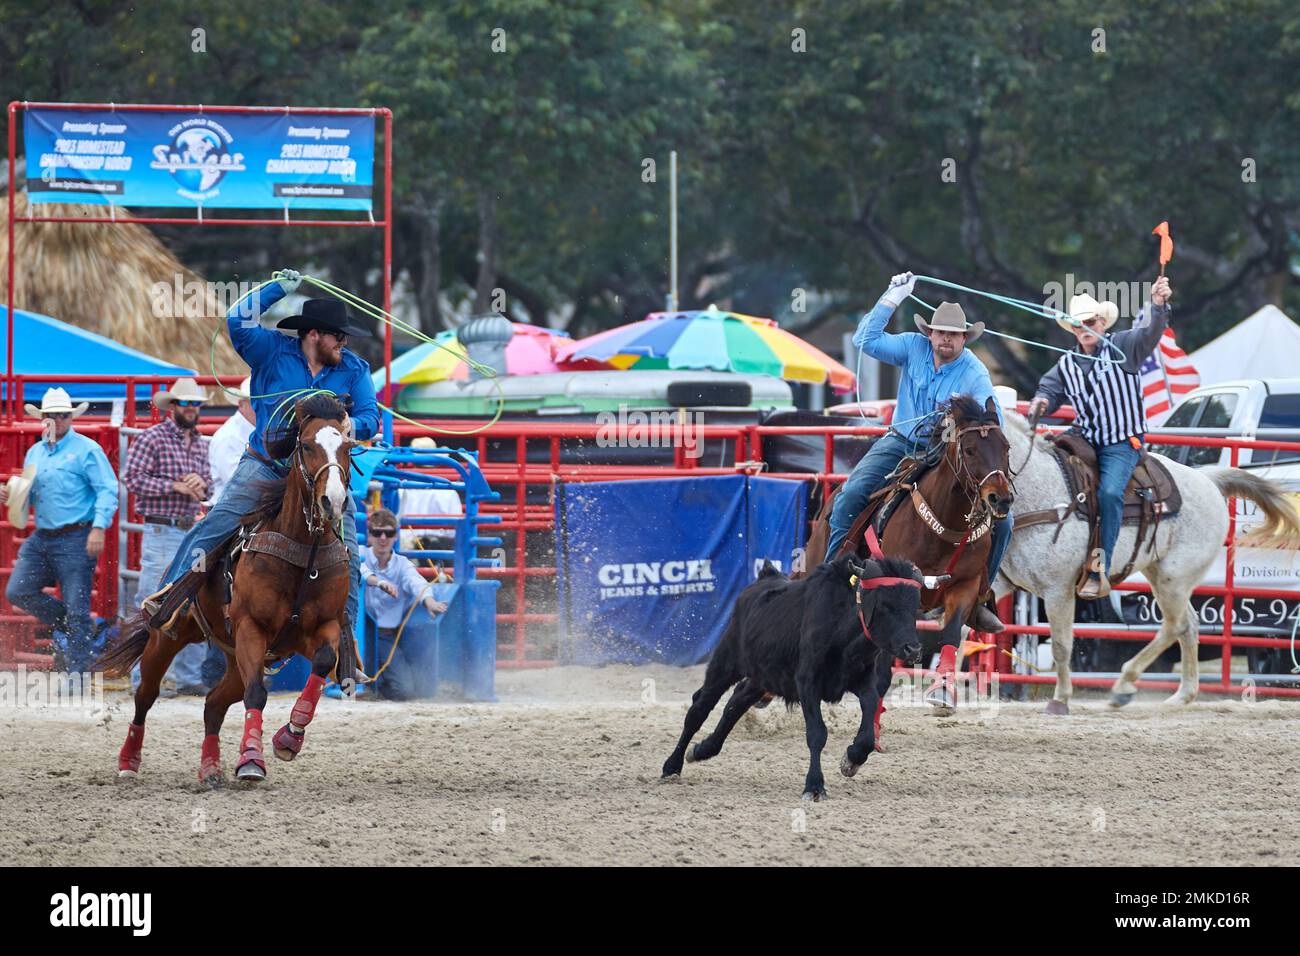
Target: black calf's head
x=888 y=592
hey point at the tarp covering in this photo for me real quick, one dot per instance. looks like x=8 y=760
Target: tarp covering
x=649 y=570
x=46 y=346
x=1263 y=345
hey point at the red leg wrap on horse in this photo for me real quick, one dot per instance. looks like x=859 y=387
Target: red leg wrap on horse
x=128 y=758
x=947 y=659
x=304 y=709
x=210 y=759
x=880 y=710
x=252 y=732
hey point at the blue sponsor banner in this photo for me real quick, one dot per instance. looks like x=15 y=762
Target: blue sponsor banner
x=648 y=571
x=214 y=160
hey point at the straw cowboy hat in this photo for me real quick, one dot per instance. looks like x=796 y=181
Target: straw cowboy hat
x=950 y=318
x=1084 y=307
x=56 y=401
x=20 y=487
x=185 y=390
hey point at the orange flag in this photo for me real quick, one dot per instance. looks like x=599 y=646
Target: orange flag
x=1166 y=244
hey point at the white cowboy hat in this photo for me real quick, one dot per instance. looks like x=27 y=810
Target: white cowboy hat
x=1085 y=306
x=56 y=401
x=20 y=486
x=423 y=441
x=185 y=390
x=245 y=389
x=950 y=318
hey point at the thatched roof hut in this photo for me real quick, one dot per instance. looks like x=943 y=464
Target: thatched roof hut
x=106 y=277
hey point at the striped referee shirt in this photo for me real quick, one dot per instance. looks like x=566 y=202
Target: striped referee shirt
x=1107 y=396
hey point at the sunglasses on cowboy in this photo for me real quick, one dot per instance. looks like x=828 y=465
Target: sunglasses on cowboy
x=187 y=403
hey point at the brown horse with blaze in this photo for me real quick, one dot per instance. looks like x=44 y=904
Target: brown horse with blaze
x=289 y=591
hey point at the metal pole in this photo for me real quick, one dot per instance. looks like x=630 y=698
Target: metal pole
x=672 y=230
x=11 y=409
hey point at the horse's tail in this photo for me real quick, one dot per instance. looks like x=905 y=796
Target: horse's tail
x=769 y=570
x=117 y=660
x=1282 y=527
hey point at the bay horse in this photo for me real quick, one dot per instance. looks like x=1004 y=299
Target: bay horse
x=1044 y=559
x=288 y=595
x=945 y=528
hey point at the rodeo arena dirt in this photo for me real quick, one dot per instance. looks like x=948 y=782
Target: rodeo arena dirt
x=521 y=637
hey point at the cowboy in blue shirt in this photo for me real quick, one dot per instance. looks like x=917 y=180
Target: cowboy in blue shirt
x=281 y=365
x=936 y=365
x=74 y=493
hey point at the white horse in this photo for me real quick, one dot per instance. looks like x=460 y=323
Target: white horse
x=1185 y=547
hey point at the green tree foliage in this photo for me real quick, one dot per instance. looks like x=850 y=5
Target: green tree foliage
x=814 y=140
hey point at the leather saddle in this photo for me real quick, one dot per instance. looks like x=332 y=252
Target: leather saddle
x=1150 y=496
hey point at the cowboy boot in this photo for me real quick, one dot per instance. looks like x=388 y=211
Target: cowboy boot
x=1097 y=584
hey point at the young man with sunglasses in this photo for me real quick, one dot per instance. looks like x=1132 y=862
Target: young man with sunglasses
x=68 y=481
x=1107 y=401
x=393 y=585
x=282 y=365
x=167 y=470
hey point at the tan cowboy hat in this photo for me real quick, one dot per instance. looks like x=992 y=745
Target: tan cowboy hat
x=950 y=318
x=56 y=401
x=20 y=487
x=1085 y=306
x=185 y=390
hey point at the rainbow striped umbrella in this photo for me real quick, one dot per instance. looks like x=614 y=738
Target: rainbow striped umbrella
x=530 y=351
x=725 y=341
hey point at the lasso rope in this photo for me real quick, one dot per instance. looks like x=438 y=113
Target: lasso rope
x=291 y=396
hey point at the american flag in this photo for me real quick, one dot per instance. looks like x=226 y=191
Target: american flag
x=1167 y=375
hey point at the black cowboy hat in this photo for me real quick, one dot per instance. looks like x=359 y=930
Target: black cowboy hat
x=328 y=315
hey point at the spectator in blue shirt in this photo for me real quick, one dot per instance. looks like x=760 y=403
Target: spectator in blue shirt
x=393 y=585
x=936 y=365
x=74 y=493
x=281 y=365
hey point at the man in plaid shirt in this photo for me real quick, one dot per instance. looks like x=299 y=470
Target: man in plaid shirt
x=167 y=470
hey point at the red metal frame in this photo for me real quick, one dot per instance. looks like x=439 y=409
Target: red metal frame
x=10 y=406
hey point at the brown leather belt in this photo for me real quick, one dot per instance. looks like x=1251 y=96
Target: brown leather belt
x=66 y=529
x=183 y=523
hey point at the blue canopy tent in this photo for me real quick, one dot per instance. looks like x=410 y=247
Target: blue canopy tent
x=46 y=346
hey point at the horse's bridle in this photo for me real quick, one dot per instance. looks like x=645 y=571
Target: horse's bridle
x=311 y=511
x=962 y=471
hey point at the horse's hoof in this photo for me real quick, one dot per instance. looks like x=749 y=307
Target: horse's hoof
x=816 y=796
x=287 y=743
x=1057 y=708
x=1118 y=700
x=848 y=767
x=211 y=777
x=251 y=768
x=128 y=774
x=942 y=700
x=690 y=753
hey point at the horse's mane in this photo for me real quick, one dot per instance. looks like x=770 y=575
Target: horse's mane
x=280 y=444
x=1017 y=423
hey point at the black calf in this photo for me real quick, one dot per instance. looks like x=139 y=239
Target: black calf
x=803 y=641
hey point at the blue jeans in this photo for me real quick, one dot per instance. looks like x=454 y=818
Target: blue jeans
x=238 y=498
x=45 y=560
x=1117 y=462
x=158 y=545
x=869 y=474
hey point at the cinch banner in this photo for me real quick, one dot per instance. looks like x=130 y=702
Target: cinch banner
x=214 y=160
x=648 y=571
